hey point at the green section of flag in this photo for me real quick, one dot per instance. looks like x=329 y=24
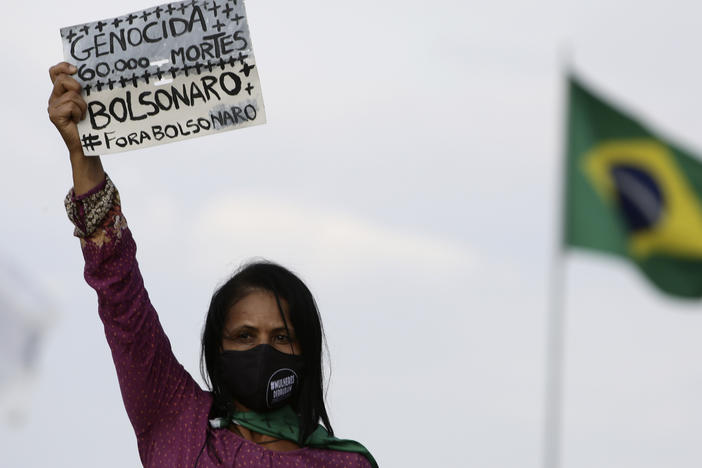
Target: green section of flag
x=633 y=194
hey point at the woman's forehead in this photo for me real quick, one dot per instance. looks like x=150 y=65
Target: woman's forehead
x=258 y=308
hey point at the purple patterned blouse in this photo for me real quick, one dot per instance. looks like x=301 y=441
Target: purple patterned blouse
x=165 y=405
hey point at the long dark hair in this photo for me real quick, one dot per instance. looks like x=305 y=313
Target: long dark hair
x=304 y=315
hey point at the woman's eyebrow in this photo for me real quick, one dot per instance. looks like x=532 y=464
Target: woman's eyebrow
x=239 y=328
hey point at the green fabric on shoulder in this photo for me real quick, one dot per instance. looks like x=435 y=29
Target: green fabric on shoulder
x=283 y=423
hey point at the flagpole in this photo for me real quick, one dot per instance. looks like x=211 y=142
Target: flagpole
x=556 y=318
x=555 y=360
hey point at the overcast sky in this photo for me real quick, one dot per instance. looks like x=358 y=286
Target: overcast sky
x=408 y=173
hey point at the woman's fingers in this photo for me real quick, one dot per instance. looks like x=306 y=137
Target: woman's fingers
x=64 y=83
x=72 y=111
x=59 y=113
x=66 y=106
x=65 y=116
x=79 y=103
x=64 y=113
x=65 y=87
x=78 y=100
x=61 y=68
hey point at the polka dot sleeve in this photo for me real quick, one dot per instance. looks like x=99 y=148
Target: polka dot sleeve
x=156 y=389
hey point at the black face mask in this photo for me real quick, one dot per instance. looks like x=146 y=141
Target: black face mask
x=261 y=378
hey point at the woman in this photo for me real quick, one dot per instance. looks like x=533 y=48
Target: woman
x=261 y=344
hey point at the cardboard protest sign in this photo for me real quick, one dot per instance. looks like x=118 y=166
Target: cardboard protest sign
x=164 y=74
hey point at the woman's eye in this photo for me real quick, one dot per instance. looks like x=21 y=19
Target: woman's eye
x=243 y=336
x=282 y=339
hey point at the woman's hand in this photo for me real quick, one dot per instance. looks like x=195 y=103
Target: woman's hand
x=66 y=108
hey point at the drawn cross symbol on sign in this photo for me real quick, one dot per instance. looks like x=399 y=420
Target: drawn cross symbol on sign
x=87 y=89
x=238 y=18
x=170 y=9
x=71 y=34
x=214 y=8
x=146 y=76
x=100 y=25
x=158 y=11
x=122 y=81
x=228 y=10
x=131 y=18
x=85 y=29
x=98 y=85
x=219 y=25
x=249 y=88
x=145 y=15
x=117 y=22
x=182 y=8
x=241 y=57
x=111 y=83
x=247 y=69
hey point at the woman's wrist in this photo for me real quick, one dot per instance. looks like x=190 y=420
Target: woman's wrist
x=87 y=172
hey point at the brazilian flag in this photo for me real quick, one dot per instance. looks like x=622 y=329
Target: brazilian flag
x=631 y=193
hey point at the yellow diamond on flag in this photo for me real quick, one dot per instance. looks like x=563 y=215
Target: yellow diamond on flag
x=660 y=210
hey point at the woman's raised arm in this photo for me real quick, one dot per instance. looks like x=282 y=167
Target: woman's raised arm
x=158 y=394
x=66 y=108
